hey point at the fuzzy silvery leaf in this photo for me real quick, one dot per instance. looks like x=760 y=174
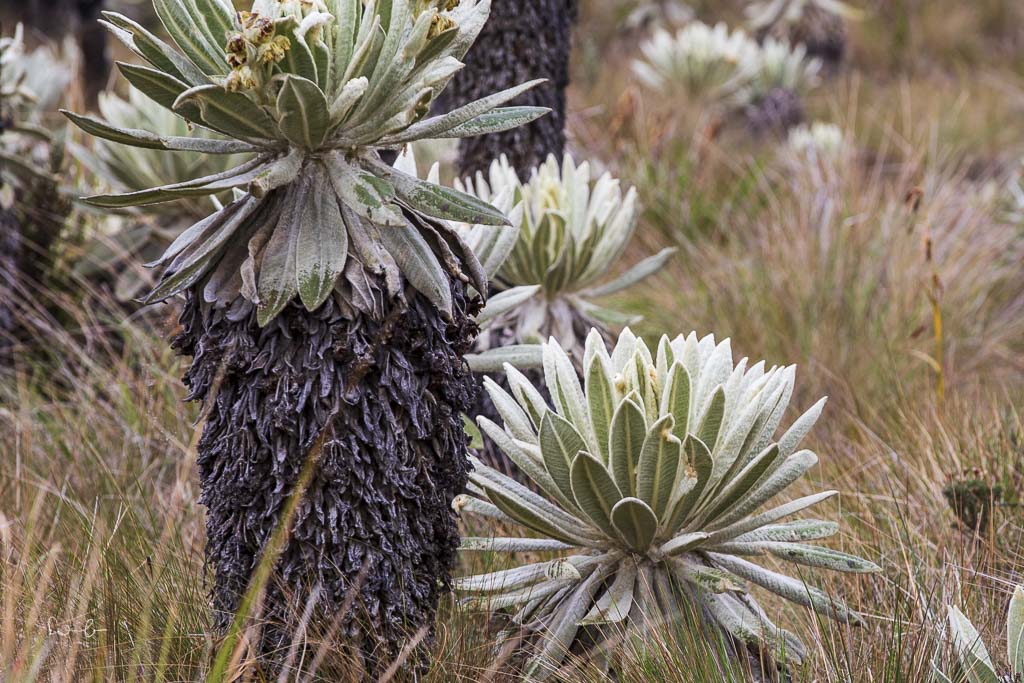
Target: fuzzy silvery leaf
x=572 y=232
x=665 y=506
x=305 y=87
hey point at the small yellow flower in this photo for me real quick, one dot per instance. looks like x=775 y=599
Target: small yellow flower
x=438 y=25
x=242 y=78
x=274 y=51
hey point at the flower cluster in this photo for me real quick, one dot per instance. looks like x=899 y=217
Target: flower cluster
x=253 y=51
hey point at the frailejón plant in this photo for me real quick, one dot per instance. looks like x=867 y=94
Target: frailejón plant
x=313 y=89
x=779 y=66
x=327 y=307
x=33 y=210
x=818 y=140
x=145 y=233
x=572 y=232
x=702 y=61
x=654 y=474
x=492 y=245
x=973 y=659
x=764 y=14
x=819 y=25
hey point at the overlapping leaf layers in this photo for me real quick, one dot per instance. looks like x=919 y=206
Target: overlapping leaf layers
x=772 y=92
x=32 y=209
x=492 y=245
x=705 y=62
x=652 y=476
x=572 y=233
x=817 y=24
x=327 y=309
x=973 y=662
x=145 y=233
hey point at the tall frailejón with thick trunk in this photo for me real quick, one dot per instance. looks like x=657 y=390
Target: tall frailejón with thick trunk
x=521 y=41
x=328 y=305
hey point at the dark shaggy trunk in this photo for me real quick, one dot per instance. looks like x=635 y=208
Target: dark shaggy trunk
x=774 y=113
x=30 y=230
x=822 y=33
x=58 y=18
x=521 y=41
x=499 y=336
x=375 y=530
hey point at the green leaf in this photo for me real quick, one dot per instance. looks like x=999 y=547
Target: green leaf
x=229 y=112
x=278 y=283
x=707 y=578
x=201 y=254
x=434 y=200
x=505 y=301
x=629 y=429
x=563 y=628
x=302 y=108
x=496 y=121
x=1015 y=632
x=511 y=579
x=974 y=657
x=699 y=468
x=161 y=88
x=826 y=558
x=791 y=532
x=521 y=356
x=188 y=36
x=344 y=40
x=684 y=543
x=595 y=492
x=742 y=484
x=217 y=14
x=439 y=125
x=527 y=395
x=366 y=194
x=419 y=265
x=240 y=176
x=791 y=469
x=636 y=523
x=517 y=422
x=748 y=525
x=528 y=516
x=799 y=429
x=791 y=589
x=711 y=422
x=675 y=400
x=146 y=140
x=518 y=596
x=657 y=469
x=615 y=603
x=322 y=247
x=526 y=456
x=155 y=51
x=559 y=444
x=350 y=94
x=601 y=400
x=493 y=544
x=649 y=266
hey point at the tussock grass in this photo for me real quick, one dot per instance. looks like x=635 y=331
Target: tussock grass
x=844 y=267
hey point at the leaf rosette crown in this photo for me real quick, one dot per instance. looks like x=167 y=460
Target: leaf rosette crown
x=653 y=477
x=313 y=90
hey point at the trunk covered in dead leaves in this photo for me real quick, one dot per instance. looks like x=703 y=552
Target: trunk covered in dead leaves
x=520 y=42
x=374 y=532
